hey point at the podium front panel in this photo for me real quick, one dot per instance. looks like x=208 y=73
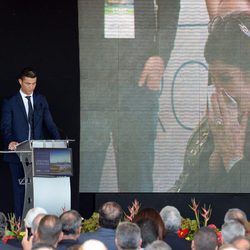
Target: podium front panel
x=53 y=194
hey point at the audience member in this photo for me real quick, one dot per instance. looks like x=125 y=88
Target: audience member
x=128 y=236
x=151 y=213
x=43 y=246
x=149 y=231
x=230 y=230
x=49 y=230
x=93 y=245
x=71 y=228
x=205 y=239
x=35 y=224
x=31 y=215
x=28 y=220
x=241 y=243
x=75 y=247
x=110 y=214
x=172 y=221
x=29 y=240
x=227 y=247
x=159 y=245
x=238 y=215
x=32 y=219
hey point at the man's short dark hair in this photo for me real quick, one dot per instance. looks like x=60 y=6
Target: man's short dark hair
x=110 y=214
x=128 y=236
x=49 y=229
x=27 y=72
x=149 y=231
x=71 y=222
x=205 y=239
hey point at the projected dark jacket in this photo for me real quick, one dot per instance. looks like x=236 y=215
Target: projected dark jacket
x=195 y=176
x=109 y=64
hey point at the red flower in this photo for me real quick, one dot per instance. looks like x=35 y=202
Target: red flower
x=219 y=238
x=182 y=233
x=212 y=226
x=6 y=238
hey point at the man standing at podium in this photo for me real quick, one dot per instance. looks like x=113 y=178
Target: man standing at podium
x=24 y=117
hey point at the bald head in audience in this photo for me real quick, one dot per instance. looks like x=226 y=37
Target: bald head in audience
x=93 y=245
x=241 y=243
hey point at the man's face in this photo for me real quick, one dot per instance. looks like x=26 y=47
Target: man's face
x=27 y=84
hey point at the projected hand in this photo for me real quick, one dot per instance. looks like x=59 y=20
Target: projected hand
x=229 y=130
x=152 y=73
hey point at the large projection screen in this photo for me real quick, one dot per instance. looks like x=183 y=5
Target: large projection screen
x=134 y=136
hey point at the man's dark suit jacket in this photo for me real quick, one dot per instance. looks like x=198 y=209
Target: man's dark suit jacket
x=7 y=247
x=14 y=122
x=105 y=235
x=176 y=243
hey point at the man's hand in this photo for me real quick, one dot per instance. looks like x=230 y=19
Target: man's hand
x=152 y=73
x=27 y=242
x=12 y=145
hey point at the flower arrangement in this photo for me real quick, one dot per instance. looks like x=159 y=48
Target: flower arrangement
x=14 y=231
x=190 y=226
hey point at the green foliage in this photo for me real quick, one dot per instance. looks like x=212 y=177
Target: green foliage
x=91 y=224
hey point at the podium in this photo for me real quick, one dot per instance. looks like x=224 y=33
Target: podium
x=47 y=168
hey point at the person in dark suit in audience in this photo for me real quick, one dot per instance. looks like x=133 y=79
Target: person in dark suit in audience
x=172 y=221
x=71 y=228
x=110 y=214
x=25 y=115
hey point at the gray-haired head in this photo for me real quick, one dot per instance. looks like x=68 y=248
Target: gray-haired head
x=230 y=230
x=71 y=222
x=158 y=245
x=205 y=239
x=31 y=215
x=128 y=236
x=3 y=224
x=171 y=217
x=235 y=214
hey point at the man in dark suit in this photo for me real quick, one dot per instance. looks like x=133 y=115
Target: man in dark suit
x=172 y=221
x=110 y=214
x=24 y=116
x=71 y=228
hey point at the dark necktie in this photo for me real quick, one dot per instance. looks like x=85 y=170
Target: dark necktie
x=30 y=116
